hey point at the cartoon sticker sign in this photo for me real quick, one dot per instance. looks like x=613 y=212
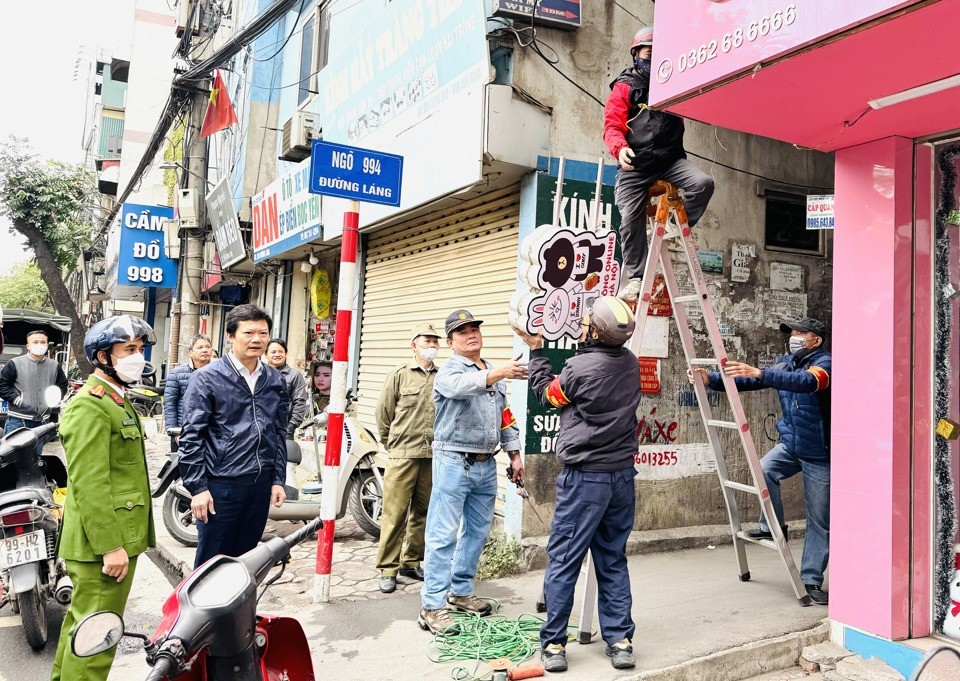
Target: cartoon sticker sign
x=565 y=270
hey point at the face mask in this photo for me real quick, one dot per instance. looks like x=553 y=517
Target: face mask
x=427 y=354
x=37 y=349
x=130 y=368
x=643 y=65
x=797 y=344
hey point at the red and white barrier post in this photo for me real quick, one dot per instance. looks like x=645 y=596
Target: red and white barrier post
x=338 y=400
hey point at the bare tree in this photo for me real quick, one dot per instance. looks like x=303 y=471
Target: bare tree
x=50 y=203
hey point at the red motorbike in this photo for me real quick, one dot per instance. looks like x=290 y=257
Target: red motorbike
x=210 y=630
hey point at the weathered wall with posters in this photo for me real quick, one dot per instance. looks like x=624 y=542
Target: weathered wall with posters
x=754 y=289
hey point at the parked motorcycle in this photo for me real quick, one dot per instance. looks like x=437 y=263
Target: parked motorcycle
x=146 y=398
x=210 y=630
x=939 y=664
x=30 y=571
x=359 y=489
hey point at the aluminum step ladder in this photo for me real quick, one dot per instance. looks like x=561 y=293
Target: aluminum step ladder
x=669 y=223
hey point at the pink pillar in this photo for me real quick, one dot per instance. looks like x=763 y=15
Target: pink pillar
x=871 y=418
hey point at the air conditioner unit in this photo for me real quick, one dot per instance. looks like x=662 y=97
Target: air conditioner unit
x=297 y=134
x=183 y=18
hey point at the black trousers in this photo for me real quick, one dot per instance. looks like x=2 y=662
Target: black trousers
x=241 y=516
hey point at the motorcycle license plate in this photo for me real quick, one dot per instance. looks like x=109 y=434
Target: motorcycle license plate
x=23 y=548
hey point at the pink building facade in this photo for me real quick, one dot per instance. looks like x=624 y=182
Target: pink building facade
x=878 y=83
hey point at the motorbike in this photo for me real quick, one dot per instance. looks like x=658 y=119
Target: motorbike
x=30 y=571
x=210 y=629
x=146 y=398
x=359 y=488
x=939 y=664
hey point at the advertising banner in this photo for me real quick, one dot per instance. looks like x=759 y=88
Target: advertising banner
x=698 y=42
x=285 y=214
x=141 y=261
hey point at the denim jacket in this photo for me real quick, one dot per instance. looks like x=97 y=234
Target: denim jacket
x=470 y=414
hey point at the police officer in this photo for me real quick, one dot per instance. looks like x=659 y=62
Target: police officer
x=107 y=521
x=598 y=393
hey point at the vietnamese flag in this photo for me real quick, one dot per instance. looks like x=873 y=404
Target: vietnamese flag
x=220 y=113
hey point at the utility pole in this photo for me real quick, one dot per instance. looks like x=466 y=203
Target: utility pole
x=191 y=260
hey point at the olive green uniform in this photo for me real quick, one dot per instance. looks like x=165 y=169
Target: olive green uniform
x=405 y=415
x=107 y=507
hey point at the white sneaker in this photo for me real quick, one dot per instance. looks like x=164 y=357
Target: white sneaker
x=631 y=292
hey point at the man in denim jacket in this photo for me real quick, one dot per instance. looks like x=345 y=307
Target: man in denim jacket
x=472 y=421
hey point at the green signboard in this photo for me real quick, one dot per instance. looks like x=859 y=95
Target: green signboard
x=543 y=423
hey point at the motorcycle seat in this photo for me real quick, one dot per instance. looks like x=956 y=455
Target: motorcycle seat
x=24 y=495
x=293 y=452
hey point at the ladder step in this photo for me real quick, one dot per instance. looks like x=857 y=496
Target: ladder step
x=723 y=424
x=704 y=362
x=694 y=298
x=739 y=486
x=768 y=543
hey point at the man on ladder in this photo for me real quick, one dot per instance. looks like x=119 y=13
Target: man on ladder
x=648 y=145
x=802 y=380
x=598 y=393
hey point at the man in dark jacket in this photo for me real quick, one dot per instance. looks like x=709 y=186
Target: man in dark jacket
x=233 y=453
x=802 y=379
x=22 y=382
x=598 y=393
x=177 y=381
x=648 y=145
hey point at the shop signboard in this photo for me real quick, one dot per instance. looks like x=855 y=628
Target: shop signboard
x=561 y=14
x=141 y=261
x=575 y=209
x=355 y=174
x=408 y=79
x=285 y=214
x=226 y=226
x=699 y=42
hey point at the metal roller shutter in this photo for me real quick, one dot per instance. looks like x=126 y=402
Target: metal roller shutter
x=421 y=271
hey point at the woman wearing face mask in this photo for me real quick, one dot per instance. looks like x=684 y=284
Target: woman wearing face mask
x=296 y=384
x=405 y=414
x=22 y=382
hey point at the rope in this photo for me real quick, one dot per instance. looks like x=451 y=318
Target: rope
x=482 y=639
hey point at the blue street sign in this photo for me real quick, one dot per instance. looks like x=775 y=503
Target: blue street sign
x=356 y=174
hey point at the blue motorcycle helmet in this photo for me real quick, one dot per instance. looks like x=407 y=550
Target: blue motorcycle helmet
x=108 y=332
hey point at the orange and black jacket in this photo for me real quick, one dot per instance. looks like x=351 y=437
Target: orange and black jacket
x=598 y=393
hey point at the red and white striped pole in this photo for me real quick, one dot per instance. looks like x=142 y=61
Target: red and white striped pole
x=338 y=400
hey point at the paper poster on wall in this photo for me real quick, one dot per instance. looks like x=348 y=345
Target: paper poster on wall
x=649 y=375
x=710 y=261
x=820 y=211
x=740 y=258
x=784 y=277
x=656 y=333
x=673 y=461
x=565 y=270
x=660 y=305
x=782 y=306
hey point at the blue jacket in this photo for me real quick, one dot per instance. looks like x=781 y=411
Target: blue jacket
x=173 y=392
x=471 y=417
x=230 y=433
x=804 y=389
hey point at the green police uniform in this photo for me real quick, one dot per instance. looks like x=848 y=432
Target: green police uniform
x=107 y=507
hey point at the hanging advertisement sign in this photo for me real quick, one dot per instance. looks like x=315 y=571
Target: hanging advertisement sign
x=226 y=225
x=141 y=261
x=561 y=14
x=285 y=214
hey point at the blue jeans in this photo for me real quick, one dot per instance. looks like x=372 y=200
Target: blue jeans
x=594 y=511
x=13 y=423
x=241 y=516
x=450 y=562
x=780 y=463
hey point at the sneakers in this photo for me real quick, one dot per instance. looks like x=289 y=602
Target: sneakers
x=621 y=654
x=631 y=292
x=388 y=584
x=470 y=604
x=438 y=622
x=817 y=595
x=760 y=533
x=554 y=658
x=414 y=573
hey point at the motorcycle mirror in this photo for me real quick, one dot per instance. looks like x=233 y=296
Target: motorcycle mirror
x=96 y=633
x=52 y=396
x=938 y=664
